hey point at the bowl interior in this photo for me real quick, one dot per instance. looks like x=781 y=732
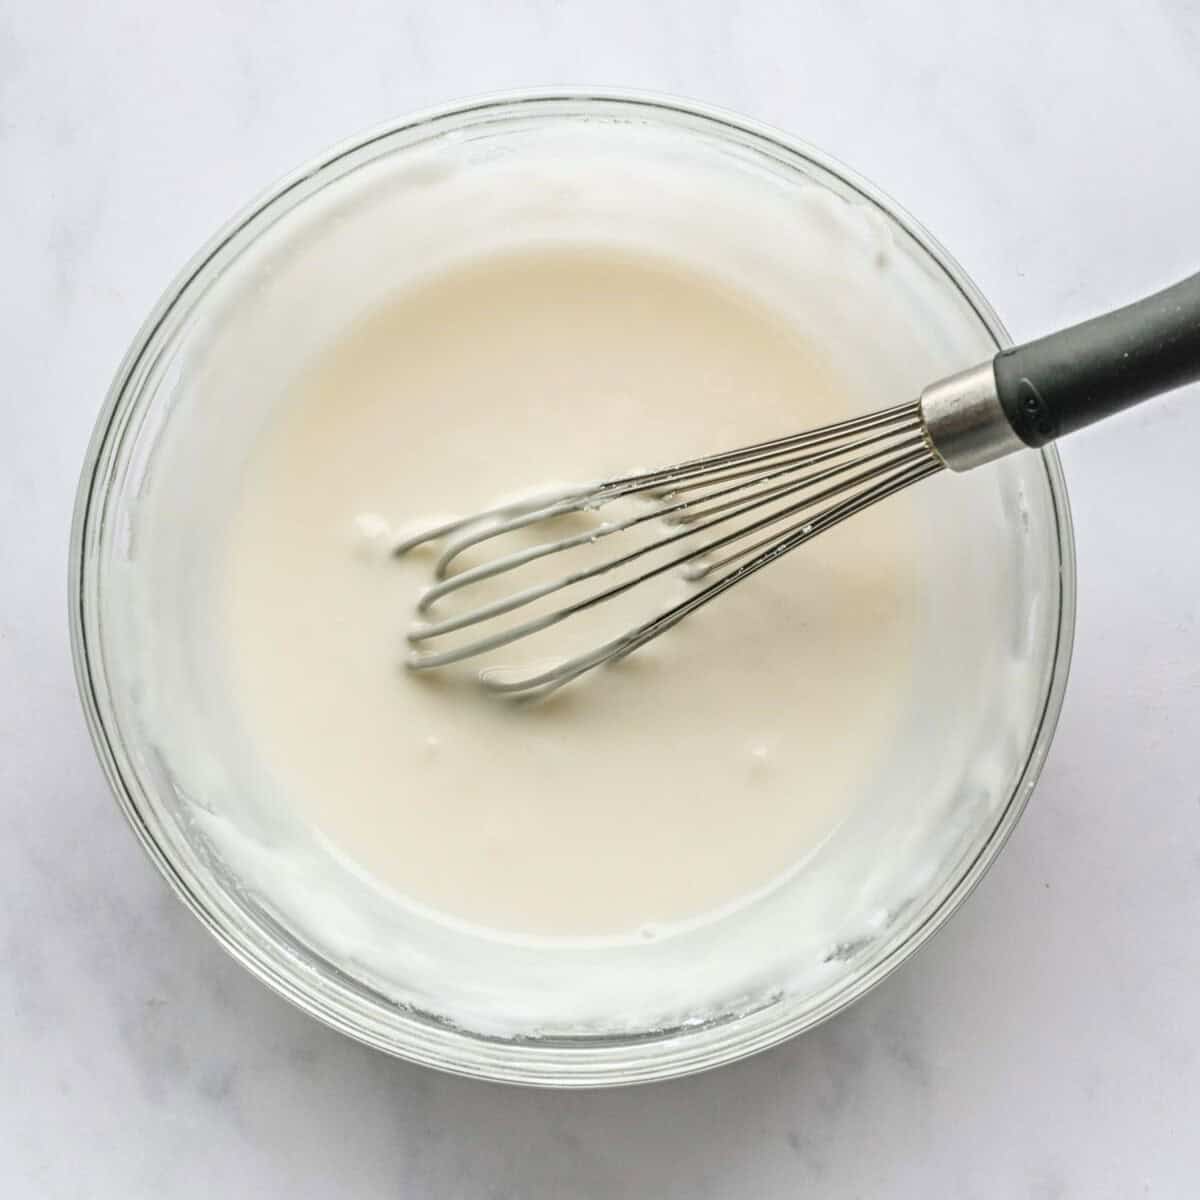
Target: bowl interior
x=992 y=555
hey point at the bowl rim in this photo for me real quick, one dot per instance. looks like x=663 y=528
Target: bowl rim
x=609 y=1061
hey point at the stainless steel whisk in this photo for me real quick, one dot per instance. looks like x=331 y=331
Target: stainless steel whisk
x=721 y=518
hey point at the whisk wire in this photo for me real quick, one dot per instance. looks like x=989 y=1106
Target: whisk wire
x=862 y=461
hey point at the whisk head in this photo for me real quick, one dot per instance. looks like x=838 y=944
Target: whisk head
x=713 y=521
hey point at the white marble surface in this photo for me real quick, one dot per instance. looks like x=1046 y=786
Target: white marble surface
x=1046 y=1044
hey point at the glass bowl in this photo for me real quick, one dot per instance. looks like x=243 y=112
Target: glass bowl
x=169 y=787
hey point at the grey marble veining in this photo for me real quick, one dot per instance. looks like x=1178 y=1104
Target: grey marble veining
x=1044 y=1045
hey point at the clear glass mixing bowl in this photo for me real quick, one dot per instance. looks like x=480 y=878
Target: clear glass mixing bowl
x=113 y=587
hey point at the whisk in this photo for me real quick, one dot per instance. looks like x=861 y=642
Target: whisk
x=719 y=519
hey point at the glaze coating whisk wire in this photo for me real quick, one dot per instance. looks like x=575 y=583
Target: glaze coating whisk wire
x=716 y=520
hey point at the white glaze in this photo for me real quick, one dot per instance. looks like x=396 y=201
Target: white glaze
x=856 y=759
x=633 y=800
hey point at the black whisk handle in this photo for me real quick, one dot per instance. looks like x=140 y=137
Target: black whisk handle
x=1060 y=383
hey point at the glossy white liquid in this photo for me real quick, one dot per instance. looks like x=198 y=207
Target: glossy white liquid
x=471 y=317
x=674 y=785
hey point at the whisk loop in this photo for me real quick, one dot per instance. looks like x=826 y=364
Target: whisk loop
x=713 y=521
